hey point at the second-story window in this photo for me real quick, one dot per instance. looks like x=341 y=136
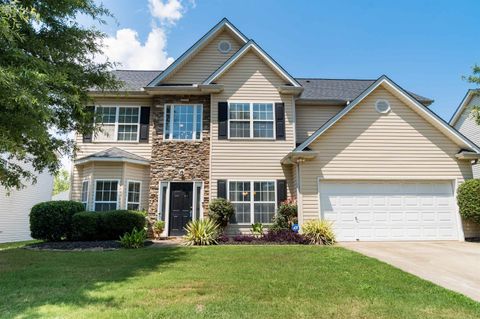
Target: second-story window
x=118 y=123
x=183 y=122
x=251 y=120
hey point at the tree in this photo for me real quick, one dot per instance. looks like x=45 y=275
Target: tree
x=46 y=67
x=474 y=78
x=61 y=181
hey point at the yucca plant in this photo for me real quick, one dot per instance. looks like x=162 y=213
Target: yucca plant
x=319 y=232
x=202 y=232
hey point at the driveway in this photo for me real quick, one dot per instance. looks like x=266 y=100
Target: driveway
x=453 y=265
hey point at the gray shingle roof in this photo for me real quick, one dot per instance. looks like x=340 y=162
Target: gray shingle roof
x=135 y=80
x=340 y=90
x=115 y=153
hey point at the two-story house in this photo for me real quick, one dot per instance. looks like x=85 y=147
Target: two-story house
x=226 y=120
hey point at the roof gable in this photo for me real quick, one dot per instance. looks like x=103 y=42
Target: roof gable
x=406 y=98
x=252 y=46
x=463 y=105
x=222 y=25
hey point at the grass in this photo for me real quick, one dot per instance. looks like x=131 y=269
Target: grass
x=217 y=282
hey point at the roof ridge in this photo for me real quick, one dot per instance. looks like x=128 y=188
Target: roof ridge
x=137 y=70
x=308 y=78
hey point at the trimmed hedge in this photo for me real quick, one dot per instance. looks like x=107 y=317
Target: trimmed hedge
x=468 y=199
x=109 y=225
x=52 y=220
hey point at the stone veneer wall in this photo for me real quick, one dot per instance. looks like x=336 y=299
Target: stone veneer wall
x=170 y=157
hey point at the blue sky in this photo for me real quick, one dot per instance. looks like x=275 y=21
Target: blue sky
x=424 y=45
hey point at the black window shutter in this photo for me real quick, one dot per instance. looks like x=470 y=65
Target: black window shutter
x=144 y=123
x=280 y=120
x=222 y=188
x=281 y=190
x=222 y=120
x=87 y=137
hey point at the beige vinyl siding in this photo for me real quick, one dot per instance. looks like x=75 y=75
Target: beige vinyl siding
x=141 y=149
x=467 y=126
x=312 y=117
x=139 y=173
x=205 y=61
x=111 y=171
x=367 y=145
x=250 y=79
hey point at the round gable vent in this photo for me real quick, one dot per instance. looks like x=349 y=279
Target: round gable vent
x=382 y=106
x=224 y=46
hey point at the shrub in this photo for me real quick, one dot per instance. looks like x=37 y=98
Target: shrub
x=257 y=229
x=134 y=239
x=109 y=225
x=53 y=220
x=202 y=232
x=319 y=232
x=468 y=199
x=158 y=228
x=285 y=236
x=220 y=211
x=85 y=226
x=244 y=238
x=287 y=215
x=115 y=223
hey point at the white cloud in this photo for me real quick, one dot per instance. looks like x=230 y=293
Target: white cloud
x=125 y=47
x=168 y=12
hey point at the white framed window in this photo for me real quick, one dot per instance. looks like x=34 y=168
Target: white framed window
x=118 y=123
x=254 y=201
x=251 y=120
x=133 y=195
x=197 y=200
x=163 y=200
x=84 y=194
x=106 y=195
x=183 y=122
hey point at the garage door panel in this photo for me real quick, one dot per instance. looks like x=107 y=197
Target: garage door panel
x=390 y=210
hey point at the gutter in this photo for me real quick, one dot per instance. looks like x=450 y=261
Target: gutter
x=467 y=155
x=184 y=89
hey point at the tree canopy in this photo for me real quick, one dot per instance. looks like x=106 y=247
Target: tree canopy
x=47 y=65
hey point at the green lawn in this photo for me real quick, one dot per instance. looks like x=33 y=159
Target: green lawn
x=217 y=282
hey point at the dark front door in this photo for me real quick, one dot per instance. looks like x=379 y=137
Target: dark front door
x=180 y=207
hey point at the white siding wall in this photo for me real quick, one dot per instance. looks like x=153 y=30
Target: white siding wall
x=15 y=208
x=367 y=145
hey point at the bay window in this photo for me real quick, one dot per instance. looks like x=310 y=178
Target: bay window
x=106 y=195
x=253 y=201
x=84 y=194
x=183 y=122
x=133 y=195
x=251 y=120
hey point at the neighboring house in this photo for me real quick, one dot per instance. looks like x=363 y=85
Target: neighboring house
x=465 y=124
x=226 y=120
x=65 y=195
x=15 y=207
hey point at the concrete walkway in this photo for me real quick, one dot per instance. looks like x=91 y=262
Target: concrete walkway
x=453 y=265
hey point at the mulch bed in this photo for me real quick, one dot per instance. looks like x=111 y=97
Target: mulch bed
x=473 y=239
x=100 y=245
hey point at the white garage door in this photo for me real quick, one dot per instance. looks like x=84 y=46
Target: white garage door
x=400 y=210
